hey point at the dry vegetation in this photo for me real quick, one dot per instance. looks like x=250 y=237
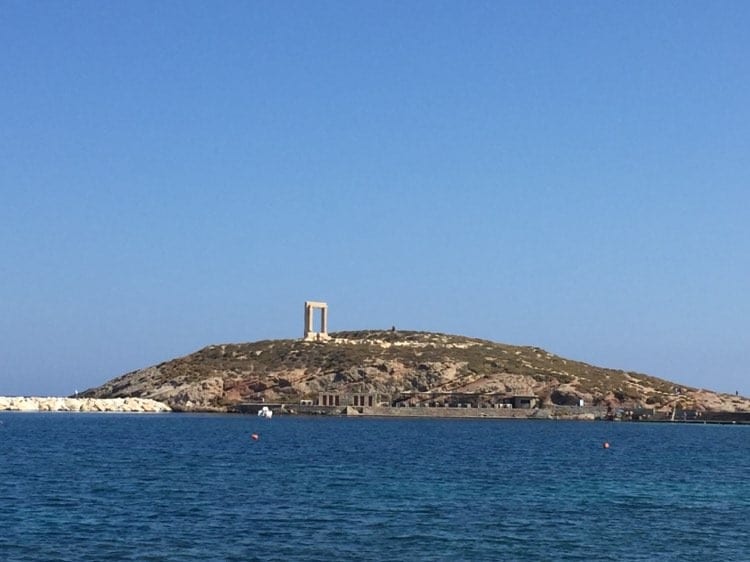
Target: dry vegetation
x=384 y=361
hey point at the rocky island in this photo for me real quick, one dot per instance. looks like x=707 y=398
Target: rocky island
x=379 y=371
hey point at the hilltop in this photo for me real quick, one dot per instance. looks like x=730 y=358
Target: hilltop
x=219 y=377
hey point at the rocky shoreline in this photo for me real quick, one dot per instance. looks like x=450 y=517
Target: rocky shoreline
x=60 y=404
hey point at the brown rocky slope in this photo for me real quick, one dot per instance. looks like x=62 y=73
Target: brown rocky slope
x=219 y=377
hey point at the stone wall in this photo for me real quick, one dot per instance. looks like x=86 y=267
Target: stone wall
x=494 y=413
x=443 y=412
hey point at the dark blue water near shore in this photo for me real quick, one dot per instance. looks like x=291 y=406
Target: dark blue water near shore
x=192 y=487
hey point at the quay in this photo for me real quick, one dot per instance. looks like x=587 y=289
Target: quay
x=465 y=412
x=329 y=407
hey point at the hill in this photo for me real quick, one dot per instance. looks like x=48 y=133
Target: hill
x=399 y=365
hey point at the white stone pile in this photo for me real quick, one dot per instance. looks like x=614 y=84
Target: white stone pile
x=59 y=404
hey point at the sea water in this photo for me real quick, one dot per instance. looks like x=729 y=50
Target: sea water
x=198 y=487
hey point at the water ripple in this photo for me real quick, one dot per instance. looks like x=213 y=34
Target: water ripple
x=189 y=487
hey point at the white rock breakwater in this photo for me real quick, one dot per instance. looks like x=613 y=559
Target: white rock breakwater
x=58 y=404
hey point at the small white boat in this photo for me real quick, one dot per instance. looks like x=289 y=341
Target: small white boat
x=265 y=412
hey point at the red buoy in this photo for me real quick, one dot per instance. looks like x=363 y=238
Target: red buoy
x=254 y=436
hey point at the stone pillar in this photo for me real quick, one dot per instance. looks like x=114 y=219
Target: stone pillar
x=308 y=319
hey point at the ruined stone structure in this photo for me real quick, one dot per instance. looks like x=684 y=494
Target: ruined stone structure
x=310 y=333
x=357 y=399
x=329 y=399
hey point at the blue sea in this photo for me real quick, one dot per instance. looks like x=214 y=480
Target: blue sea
x=198 y=487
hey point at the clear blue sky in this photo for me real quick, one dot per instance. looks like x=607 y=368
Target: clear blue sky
x=569 y=175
